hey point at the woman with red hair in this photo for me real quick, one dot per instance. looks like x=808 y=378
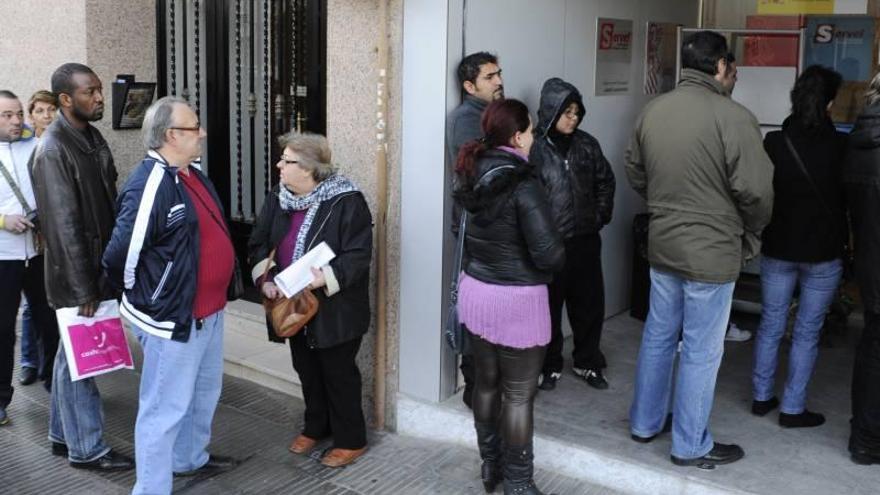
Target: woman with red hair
x=512 y=248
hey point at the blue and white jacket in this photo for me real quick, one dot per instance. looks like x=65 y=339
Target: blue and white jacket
x=153 y=252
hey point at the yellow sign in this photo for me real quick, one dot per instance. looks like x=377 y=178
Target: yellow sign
x=795 y=6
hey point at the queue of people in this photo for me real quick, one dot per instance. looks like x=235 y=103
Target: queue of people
x=718 y=195
x=531 y=199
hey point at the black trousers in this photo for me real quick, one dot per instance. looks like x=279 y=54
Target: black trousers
x=505 y=388
x=331 y=384
x=581 y=287
x=17 y=276
x=865 y=424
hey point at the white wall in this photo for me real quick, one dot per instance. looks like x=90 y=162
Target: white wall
x=539 y=40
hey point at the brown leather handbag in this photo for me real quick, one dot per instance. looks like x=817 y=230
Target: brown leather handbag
x=289 y=315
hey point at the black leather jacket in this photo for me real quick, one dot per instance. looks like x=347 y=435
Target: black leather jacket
x=75 y=185
x=510 y=235
x=579 y=181
x=861 y=178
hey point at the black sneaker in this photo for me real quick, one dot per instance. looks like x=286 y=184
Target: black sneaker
x=864 y=458
x=549 y=379
x=762 y=407
x=594 y=378
x=805 y=419
x=720 y=454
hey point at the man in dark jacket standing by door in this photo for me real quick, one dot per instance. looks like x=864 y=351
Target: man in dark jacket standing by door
x=697 y=158
x=861 y=177
x=75 y=185
x=480 y=79
x=580 y=187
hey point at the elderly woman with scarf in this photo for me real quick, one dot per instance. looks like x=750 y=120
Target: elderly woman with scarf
x=313 y=204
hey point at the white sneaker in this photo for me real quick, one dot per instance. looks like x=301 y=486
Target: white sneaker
x=736 y=334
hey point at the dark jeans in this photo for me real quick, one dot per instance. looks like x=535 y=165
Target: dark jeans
x=505 y=388
x=580 y=286
x=27 y=276
x=331 y=384
x=865 y=423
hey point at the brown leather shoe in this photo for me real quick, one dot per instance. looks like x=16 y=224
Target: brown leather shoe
x=302 y=445
x=341 y=457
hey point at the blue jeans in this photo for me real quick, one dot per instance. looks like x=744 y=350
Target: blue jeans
x=818 y=284
x=30 y=345
x=699 y=311
x=76 y=417
x=180 y=388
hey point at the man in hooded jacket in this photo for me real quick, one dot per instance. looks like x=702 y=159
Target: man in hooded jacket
x=580 y=187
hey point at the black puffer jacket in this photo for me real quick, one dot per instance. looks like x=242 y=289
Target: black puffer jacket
x=579 y=181
x=510 y=237
x=861 y=178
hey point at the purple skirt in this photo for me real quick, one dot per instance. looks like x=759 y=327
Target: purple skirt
x=510 y=315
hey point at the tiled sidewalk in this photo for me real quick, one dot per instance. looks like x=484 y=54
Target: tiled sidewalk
x=252 y=423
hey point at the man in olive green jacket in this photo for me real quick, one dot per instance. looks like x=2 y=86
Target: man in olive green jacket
x=697 y=158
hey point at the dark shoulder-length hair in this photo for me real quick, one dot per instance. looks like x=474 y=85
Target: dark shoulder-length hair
x=814 y=89
x=501 y=120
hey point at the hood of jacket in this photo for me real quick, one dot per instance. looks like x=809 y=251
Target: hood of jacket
x=477 y=197
x=554 y=95
x=866 y=132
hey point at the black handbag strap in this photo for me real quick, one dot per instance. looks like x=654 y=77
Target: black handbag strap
x=800 y=163
x=15 y=189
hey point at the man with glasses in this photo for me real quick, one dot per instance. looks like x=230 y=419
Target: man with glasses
x=75 y=185
x=697 y=157
x=580 y=188
x=172 y=256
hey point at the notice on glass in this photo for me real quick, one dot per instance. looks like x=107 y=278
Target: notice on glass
x=614 y=39
x=660 y=56
x=298 y=275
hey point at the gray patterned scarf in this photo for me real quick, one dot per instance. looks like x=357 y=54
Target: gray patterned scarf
x=326 y=189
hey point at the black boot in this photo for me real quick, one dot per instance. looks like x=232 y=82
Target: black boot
x=489 y=442
x=518 y=471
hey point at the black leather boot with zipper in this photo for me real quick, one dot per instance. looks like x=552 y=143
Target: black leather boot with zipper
x=489 y=442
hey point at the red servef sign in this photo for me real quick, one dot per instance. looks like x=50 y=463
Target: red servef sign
x=606 y=31
x=611 y=40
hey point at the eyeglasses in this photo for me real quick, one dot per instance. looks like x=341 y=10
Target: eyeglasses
x=197 y=127
x=288 y=161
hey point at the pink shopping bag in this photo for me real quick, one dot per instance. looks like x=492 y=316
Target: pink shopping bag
x=95 y=345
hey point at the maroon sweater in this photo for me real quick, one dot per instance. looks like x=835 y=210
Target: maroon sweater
x=216 y=255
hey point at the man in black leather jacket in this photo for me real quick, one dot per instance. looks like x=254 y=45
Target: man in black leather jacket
x=580 y=188
x=75 y=184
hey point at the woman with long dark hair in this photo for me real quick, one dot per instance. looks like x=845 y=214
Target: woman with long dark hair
x=512 y=250
x=802 y=246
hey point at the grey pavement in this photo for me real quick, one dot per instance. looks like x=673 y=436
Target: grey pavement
x=778 y=461
x=254 y=424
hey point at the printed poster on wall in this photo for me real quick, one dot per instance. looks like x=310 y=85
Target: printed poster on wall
x=660 y=55
x=844 y=43
x=614 y=39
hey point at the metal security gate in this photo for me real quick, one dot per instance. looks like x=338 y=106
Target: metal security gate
x=253 y=70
